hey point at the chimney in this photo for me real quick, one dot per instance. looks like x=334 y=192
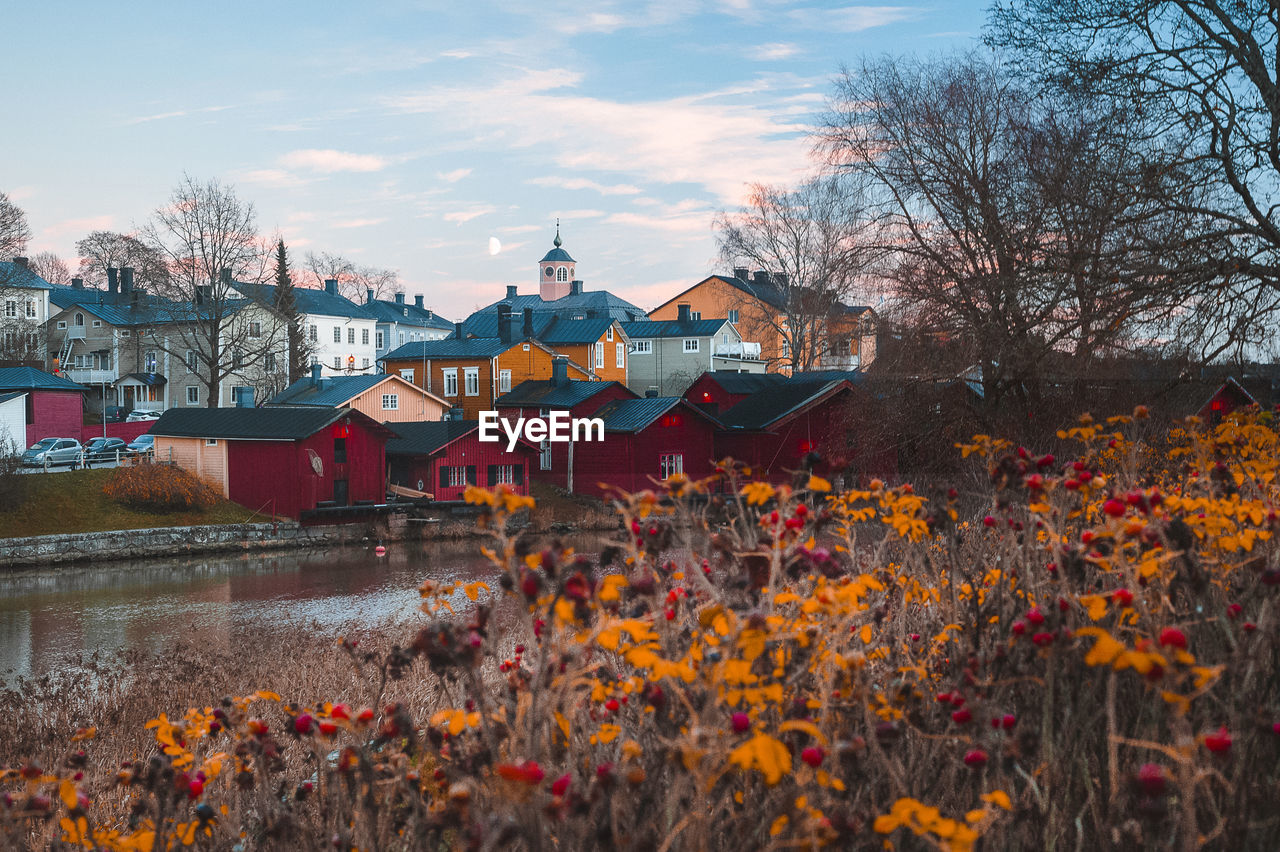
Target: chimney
x=417 y=302
x=112 y=284
x=315 y=375
x=126 y=281
x=77 y=283
x=527 y=328
x=684 y=313
x=559 y=370
x=761 y=276
x=504 y=323
x=575 y=289
x=21 y=261
x=331 y=286
x=651 y=393
x=591 y=314
x=457 y=330
x=368 y=295
x=226 y=277
x=780 y=278
x=399 y=298
x=742 y=273
x=511 y=291
x=457 y=412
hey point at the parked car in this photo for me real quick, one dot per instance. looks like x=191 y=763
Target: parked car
x=53 y=451
x=115 y=414
x=136 y=415
x=104 y=449
x=141 y=445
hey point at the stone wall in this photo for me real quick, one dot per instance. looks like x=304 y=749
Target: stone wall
x=171 y=541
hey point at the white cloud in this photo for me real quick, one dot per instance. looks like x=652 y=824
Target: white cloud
x=853 y=19
x=583 y=183
x=520 y=229
x=474 y=212
x=718 y=140
x=328 y=160
x=77 y=227
x=357 y=223
x=775 y=50
x=570 y=215
x=178 y=113
x=21 y=193
x=453 y=176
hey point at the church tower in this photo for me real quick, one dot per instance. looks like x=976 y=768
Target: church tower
x=555 y=271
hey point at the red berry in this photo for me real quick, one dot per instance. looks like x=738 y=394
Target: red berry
x=1019 y=627
x=561 y=784
x=1035 y=617
x=1218 y=743
x=1173 y=637
x=302 y=724
x=328 y=728
x=1234 y=609
x=612 y=705
x=1122 y=597
x=1008 y=720
x=670 y=614
x=1045 y=460
x=1042 y=639
x=989 y=521
x=1152 y=779
x=340 y=711
x=812 y=756
x=943 y=698
x=976 y=758
x=194 y=789
x=961 y=716
x=741 y=722
x=366 y=715
x=1113 y=507
x=530 y=583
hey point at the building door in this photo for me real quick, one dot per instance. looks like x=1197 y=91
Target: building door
x=340 y=495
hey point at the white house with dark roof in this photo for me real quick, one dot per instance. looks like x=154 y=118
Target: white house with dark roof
x=342 y=335
x=669 y=355
x=24 y=310
x=400 y=322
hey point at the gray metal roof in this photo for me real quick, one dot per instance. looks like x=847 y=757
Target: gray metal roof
x=673 y=328
x=451 y=347
x=406 y=313
x=602 y=302
x=633 y=415
x=545 y=394
x=5 y=397
x=766 y=407
x=16 y=275
x=425 y=438
x=331 y=391
x=292 y=423
x=309 y=301
x=29 y=378
x=744 y=383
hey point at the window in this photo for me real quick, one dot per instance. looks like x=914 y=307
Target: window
x=211 y=442
x=691 y=344
x=450 y=381
x=31 y=310
x=339 y=450
x=840 y=346
x=599 y=355
x=641 y=347
x=337 y=334
x=608 y=335
x=269 y=362
x=562 y=273
x=364 y=362
x=402 y=338
x=312 y=335
x=97 y=323
x=724 y=338
x=79 y=319
x=150 y=361
x=255 y=329
x=390 y=402
x=471 y=375
x=192 y=361
x=351 y=336
x=315 y=360
x=237 y=359
x=407 y=375
x=62 y=324
x=526 y=347
x=337 y=362
x=621 y=350
x=502 y=474
x=379 y=339
x=786 y=349
x=10 y=308
x=670 y=464
x=126 y=333
x=733 y=317
x=504 y=381
x=364 y=337
x=457 y=475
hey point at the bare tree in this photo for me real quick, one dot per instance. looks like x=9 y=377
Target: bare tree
x=1023 y=228
x=15 y=233
x=821 y=244
x=103 y=250
x=50 y=267
x=354 y=281
x=209 y=239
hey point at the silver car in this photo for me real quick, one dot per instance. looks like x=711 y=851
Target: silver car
x=53 y=451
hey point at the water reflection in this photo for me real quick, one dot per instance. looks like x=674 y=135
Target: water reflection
x=50 y=615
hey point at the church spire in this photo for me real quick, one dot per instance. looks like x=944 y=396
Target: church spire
x=556 y=242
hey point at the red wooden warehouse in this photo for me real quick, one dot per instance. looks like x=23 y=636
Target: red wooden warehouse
x=55 y=405
x=295 y=461
x=645 y=440
x=443 y=457
x=539 y=398
x=719 y=390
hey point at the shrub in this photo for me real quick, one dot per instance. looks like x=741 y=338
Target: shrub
x=13 y=483
x=160 y=488
x=1090 y=661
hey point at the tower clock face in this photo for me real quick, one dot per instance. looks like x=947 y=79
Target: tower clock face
x=550 y=272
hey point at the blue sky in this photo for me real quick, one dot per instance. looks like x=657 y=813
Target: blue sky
x=407 y=135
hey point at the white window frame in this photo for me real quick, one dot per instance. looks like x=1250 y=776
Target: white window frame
x=450 y=381
x=364 y=337
x=364 y=362
x=31 y=310
x=471 y=380
x=255 y=330
x=402 y=338
x=608 y=335
x=391 y=402
x=337 y=362
x=151 y=358
x=211 y=442
x=562 y=274
x=337 y=334
x=670 y=464
x=314 y=333
x=733 y=317
x=193 y=361
x=599 y=355
x=379 y=338
x=407 y=375
x=621 y=350
x=526 y=347
x=692 y=344
x=504 y=381
x=506 y=474
x=351 y=337
x=97 y=323
x=642 y=347
x=457 y=475
x=62 y=324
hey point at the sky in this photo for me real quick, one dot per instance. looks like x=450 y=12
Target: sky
x=422 y=136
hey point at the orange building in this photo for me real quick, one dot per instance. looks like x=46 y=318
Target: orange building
x=471 y=372
x=756 y=305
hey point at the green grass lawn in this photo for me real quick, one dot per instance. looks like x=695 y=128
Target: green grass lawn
x=73 y=502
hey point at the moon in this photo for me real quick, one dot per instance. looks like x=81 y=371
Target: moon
x=494 y=246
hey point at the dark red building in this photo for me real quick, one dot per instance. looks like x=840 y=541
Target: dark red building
x=719 y=390
x=55 y=405
x=444 y=457
x=540 y=398
x=1226 y=399
x=312 y=464
x=645 y=440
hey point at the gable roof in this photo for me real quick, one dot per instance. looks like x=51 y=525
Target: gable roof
x=6 y=397
x=546 y=394
x=765 y=290
x=574 y=305
x=309 y=300
x=123 y=310
x=425 y=438
x=673 y=328
x=335 y=391
x=16 y=275
x=550 y=328
x=766 y=408
x=633 y=415
x=287 y=423
x=451 y=347
x=743 y=383
x=29 y=378
x=405 y=313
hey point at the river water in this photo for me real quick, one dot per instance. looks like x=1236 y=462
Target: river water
x=51 y=615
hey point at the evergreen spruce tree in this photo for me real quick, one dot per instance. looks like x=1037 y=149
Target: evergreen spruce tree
x=287 y=305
